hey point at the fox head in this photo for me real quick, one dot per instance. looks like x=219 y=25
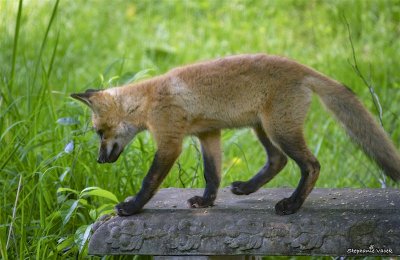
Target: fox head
x=109 y=122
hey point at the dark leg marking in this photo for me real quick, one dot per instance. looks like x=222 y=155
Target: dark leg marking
x=212 y=184
x=157 y=172
x=295 y=148
x=211 y=151
x=276 y=162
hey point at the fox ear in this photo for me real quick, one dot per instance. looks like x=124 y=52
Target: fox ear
x=85 y=97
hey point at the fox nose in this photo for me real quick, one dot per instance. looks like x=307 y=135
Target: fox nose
x=100 y=160
x=102 y=153
x=102 y=157
x=109 y=157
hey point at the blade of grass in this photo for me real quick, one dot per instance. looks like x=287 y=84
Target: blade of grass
x=11 y=153
x=3 y=250
x=46 y=86
x=14 y=55
x=14 y=213
x=374 y=96
x=15 y=47
x=49 y=70
x=42 y=47
x=23 y=243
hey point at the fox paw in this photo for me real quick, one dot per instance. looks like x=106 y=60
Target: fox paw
x=241 y=188
x=200 y=202
x=126 y=208
x=287 y=206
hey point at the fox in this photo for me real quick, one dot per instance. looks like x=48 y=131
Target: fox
x=270 y=94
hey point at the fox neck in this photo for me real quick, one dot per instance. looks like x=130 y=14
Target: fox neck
x=133 y=100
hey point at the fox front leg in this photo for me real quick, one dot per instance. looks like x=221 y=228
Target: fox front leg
x=162 y=163
x=211 y=151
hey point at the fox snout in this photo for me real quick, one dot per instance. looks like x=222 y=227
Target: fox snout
x=109 y=154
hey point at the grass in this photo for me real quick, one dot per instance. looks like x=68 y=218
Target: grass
x=49 y=49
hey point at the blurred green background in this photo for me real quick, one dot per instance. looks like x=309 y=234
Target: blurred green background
x=52 y=189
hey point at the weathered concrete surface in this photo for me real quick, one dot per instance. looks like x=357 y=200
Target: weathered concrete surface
x=331 y=222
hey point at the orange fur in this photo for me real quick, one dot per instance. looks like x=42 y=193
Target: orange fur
x=268 y=93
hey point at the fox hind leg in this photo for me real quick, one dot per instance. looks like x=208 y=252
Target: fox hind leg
x=276 y=162
x=283 y=122
x=293 y=144
x=211 y=151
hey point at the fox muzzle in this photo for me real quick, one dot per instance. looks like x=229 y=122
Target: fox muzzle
x=107 y=155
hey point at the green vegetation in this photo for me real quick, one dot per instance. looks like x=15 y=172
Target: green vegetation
x=48 y=49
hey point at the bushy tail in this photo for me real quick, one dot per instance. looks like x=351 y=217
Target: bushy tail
x=359 y=123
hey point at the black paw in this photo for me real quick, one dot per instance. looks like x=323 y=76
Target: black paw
x=241 y=188
x=287 y=206
x=200 y=202
x=126 y=208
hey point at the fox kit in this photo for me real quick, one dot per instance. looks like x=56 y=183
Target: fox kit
x=270 y=94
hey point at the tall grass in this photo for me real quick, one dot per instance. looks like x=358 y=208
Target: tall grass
x=52 y=188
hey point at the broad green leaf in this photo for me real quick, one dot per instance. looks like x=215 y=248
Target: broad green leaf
x=62 y=176
x=101 y=193
x=67 y=189
x=65 y=243
x=70 y=211
x=89 y=188
x=82 y=235
x=83 y=202
x=105 y=209
x=93 y=214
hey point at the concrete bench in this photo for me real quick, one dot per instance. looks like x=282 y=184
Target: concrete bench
x=335 y=222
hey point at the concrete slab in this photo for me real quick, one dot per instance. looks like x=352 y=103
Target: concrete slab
x=331 y=222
